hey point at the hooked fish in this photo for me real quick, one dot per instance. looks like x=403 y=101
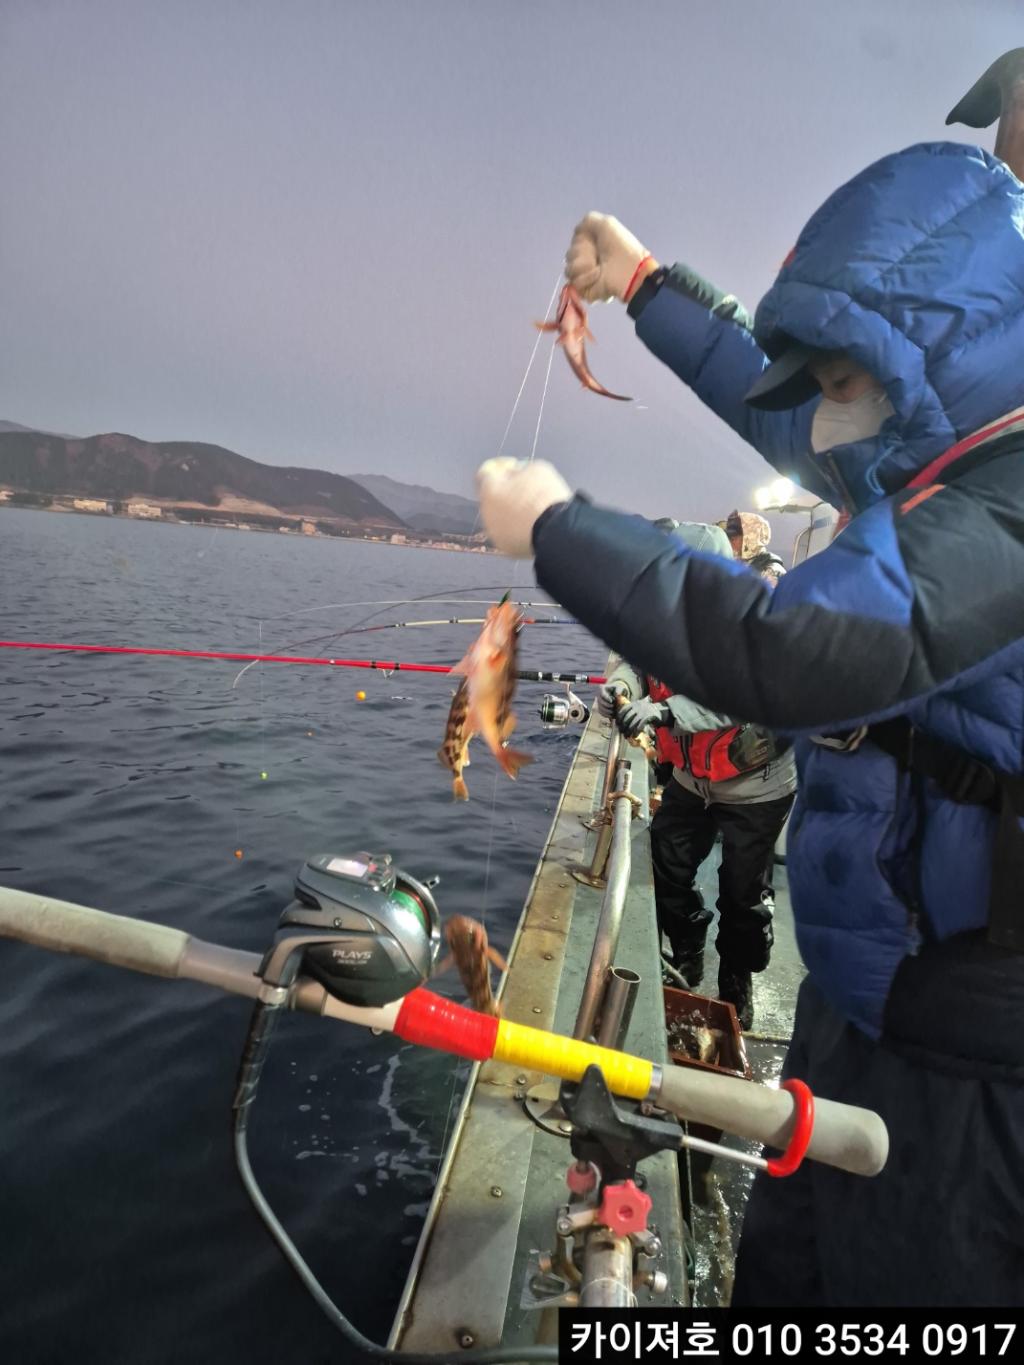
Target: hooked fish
x=454 y=752
x=573 y=333
x=472 y=955
x=489 y=672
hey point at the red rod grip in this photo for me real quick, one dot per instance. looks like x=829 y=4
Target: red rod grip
x=803 y=1102
x=432 y=1021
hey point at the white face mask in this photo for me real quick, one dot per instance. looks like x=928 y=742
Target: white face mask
x=840 y=424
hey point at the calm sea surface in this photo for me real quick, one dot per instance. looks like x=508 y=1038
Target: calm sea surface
x=129 y=784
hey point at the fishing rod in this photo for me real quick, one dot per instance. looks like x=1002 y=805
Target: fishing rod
x=460 y=621
x=381 y=665
x=406 y=602
x=356 y=944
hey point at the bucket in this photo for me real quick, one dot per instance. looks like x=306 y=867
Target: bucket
x=684 y=1012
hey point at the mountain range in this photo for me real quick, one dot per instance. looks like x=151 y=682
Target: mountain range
x=184 y=474
x=424 y=509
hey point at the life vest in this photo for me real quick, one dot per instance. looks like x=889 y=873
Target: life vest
x=668 y=746
x=713 y=754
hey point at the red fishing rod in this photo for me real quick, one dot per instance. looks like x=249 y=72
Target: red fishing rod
x=382 y=665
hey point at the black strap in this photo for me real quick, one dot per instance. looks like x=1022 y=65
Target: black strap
x=958 y=774
x=966 y=779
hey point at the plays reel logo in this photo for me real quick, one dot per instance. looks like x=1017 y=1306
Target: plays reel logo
x=351 y=956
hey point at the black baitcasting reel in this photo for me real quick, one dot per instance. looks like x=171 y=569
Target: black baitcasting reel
x=368 y=932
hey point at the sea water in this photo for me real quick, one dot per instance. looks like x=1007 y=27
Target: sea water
x=154 y=787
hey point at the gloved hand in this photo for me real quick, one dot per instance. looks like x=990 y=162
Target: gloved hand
x=634 y=717
x=603 y=258
x=513 y=494
x=606 y=704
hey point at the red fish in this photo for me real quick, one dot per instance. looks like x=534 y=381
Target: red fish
x=571 y=325
x=489 y=669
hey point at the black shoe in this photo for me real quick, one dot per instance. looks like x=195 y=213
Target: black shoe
x=690 y=966
x=738 y=989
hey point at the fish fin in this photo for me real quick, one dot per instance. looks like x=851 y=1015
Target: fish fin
x=546 y=326
x=442 y=758
x=512 y=760
x=507 y=728
x=497 y=959
x=459 y=790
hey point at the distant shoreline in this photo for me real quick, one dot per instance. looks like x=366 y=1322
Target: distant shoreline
x=305 y=528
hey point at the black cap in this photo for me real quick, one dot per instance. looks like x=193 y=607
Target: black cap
x=786 y=382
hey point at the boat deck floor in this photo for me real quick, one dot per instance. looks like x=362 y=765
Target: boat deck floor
x=719 y=1190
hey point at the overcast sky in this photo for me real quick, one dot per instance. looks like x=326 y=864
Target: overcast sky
x=317 y=231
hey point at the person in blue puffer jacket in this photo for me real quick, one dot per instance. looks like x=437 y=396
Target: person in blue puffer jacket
x=885 y=372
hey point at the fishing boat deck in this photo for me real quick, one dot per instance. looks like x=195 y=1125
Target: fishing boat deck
x=503 y=1177
x=719 y=1189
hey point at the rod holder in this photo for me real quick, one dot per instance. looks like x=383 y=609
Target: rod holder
x=620 y=992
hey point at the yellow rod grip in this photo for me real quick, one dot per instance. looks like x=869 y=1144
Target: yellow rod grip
x=533 y=1048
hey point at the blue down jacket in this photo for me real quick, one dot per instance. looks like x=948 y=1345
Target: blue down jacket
x=916 y=268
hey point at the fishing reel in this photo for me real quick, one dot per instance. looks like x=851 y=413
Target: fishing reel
x=368 y=932
x=557 y=712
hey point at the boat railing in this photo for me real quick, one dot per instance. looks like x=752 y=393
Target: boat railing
x=601 y=820
x=622 y=807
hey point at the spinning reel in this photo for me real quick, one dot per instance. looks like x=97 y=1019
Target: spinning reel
x=557 y=712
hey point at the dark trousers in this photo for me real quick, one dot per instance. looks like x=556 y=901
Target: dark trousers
x=682 y=836
x=943 y=1225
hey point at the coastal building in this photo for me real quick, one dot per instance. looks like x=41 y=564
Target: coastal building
x=146 y=510
x=90 y=505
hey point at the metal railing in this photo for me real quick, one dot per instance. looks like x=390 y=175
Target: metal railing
x=609 y=924
x=601 y=819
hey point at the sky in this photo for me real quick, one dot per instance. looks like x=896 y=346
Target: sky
x=317 y=232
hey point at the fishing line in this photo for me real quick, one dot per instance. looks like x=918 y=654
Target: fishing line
x=515 y=569
x=485 y=899
x=543 y=398
x=533 y=355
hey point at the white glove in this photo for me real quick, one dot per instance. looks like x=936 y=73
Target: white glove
x=602 y=258
x=513 y=494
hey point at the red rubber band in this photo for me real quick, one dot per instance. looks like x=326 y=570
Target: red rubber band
x=632 y=279
x=803 y=1103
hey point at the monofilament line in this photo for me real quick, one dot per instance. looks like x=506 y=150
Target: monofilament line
x=529 y=367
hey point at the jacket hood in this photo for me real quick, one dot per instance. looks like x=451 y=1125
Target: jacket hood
x=699 y=535
x=916 y=269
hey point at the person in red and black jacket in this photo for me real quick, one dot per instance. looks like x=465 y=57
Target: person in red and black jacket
x=726 y=778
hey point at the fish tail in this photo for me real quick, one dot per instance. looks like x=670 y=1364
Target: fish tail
x=512 y=760
x=460 y=791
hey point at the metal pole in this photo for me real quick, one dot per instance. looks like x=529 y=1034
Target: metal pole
x=609 y=924
x=601 y=820
x=617 y=1008
x=600 y=814
x=607 y=1271
x=611 y=763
